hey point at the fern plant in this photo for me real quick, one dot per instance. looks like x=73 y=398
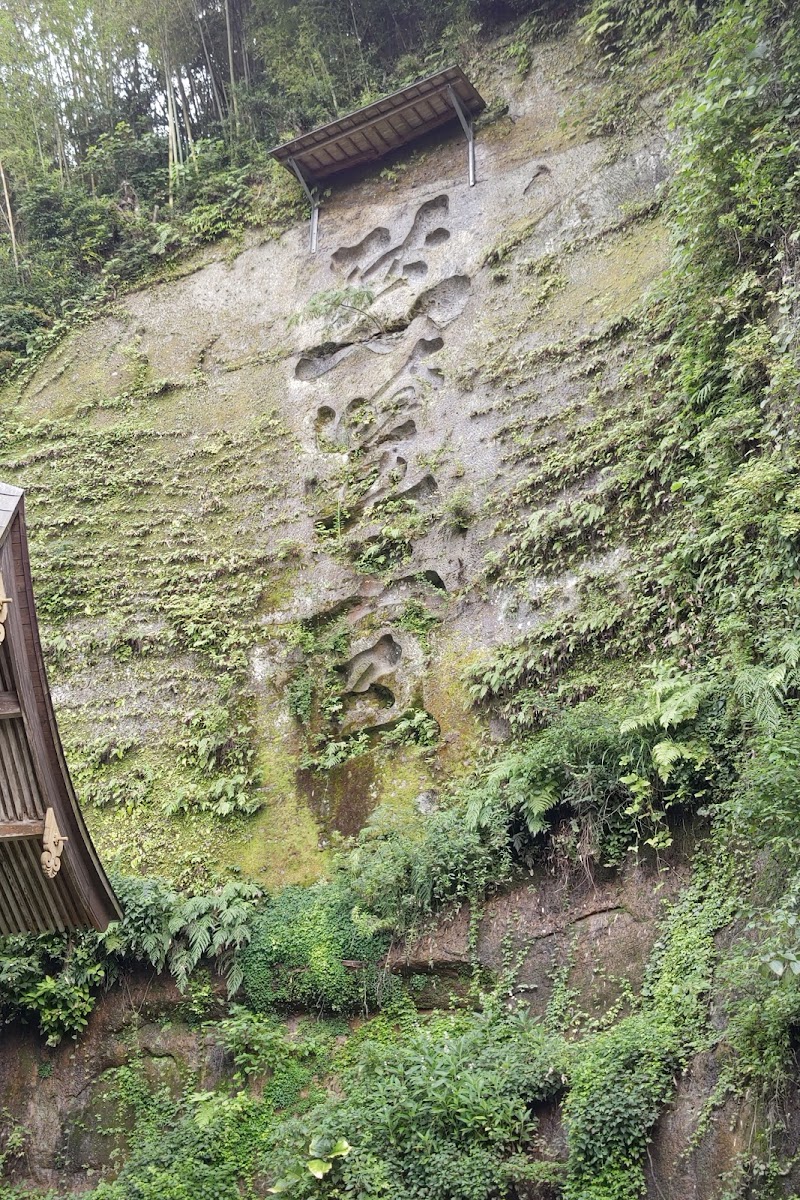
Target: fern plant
x=55 y=978
x=335 y=304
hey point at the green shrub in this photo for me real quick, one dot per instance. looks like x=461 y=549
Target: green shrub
x=764 y=806
x=307 y=951
x=53 y=979
x=443 y=1110
x=618 y=1085
x=404 y=868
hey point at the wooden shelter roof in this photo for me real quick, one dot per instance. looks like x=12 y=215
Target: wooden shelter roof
x=381 y=127
x=50 y=875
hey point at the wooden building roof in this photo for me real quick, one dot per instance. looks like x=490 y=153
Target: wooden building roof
x=50 y=875
x=381 y=127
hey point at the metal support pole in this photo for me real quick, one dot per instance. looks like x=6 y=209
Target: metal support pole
x=314 y=227
x=313 y=201
x=466 y=125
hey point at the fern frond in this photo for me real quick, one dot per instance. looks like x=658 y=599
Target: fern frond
x=536 y=805
x=760 y=691
x=667 y=753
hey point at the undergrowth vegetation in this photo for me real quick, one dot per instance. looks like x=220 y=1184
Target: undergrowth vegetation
x=54 y=980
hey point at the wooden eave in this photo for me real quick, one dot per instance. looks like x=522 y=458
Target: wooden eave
x=36 y=792
x=379 y=128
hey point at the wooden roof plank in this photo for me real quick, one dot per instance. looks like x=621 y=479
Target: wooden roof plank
x=48 y=907
x=9 y=704
x=13 y=919
x=370 y=158
x=33 y=772
x=420 y=107
x=22 y=892
x=21 y=829
x=9 y=805
x=15 y=775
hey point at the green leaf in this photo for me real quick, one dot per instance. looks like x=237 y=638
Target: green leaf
x=285 y=1184
x=667 y=753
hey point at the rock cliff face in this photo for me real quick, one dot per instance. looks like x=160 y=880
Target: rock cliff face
x=213 y=476
x=589 y=939
x=63 y=1097
x=332 y=504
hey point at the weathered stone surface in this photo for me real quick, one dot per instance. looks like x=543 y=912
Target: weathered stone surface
x=677 y=1169
x=395 y=406
x=699 y=1152
x=593 y=937
x=62 y=1096
x=410 y=405
x=594 y=934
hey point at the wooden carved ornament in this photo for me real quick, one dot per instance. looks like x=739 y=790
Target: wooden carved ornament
x=4 y=603
x=52 y=846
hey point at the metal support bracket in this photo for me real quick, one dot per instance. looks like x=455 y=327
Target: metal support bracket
x=466 y=125
x=313 y=200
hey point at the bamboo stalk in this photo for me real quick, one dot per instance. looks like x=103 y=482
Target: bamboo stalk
x=187 y=121
x=210 y=68
x=231 y=71
x=10 y=220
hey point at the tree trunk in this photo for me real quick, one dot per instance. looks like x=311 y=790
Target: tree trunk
x=187 y=120
x=231 y=71
x=10 y=220
x=172 y=150
x=210 y=68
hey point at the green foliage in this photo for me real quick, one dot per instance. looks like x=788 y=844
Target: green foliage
x=256 y=1042
x=621 y=1077
x=194 y=1147
x=218 y=749
x=174 y=931
x=53 y=979
x=618 y=1086
x=338 y=751
x=207 y=1144
x=307 y=950
x=443 y=1110
x=576 y=762
x=401 y=523
x=314 y=693
x=111 y=540
x=617 y=29
x=417 y=620
x=281 y=1068
x=404 y=868
x=336 y=305
x=458 y=511
x=602 y=785
x=324 y=1152
x=763 y=806
x=414 y=728
x=442 y=1105
x=13 y=1139
x=702 y=467
x=762 y=1001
